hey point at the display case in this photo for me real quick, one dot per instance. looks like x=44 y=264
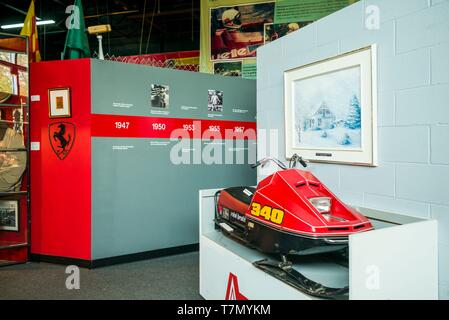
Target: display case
x=396 y=260
x=14 y=150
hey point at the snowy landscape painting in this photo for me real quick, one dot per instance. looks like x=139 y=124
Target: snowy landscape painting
x=327 y=110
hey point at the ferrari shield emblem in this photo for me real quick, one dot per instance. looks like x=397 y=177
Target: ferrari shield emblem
x=62 y=137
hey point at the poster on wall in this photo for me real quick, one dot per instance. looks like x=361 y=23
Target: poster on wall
x=234 y=29
x=160 y=96
x=237 y=31
x=330 y=109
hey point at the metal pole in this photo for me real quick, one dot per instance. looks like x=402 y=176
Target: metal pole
x=100 y=47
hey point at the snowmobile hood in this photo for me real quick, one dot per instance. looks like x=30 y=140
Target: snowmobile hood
x=283 y=201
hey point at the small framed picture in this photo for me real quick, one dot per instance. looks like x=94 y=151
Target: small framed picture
x=9 y=215
x=215 y=101
x=59 y=103
x=160 y=96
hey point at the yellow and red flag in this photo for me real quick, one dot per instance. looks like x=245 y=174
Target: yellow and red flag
x=30 y=29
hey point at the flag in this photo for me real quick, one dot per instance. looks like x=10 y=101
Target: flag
x=76 y=43
x=30 y=29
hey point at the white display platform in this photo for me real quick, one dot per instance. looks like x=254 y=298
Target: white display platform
x=397 y=260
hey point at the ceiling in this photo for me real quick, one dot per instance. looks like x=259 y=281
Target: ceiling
x=174 y=25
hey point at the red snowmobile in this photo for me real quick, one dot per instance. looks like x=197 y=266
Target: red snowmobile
x=289 y=213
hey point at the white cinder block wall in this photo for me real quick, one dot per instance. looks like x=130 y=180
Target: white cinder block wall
x=413 y=107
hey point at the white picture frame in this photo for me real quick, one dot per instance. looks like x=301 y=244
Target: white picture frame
x=9 y=215
x=59 y=103
x=331 y=109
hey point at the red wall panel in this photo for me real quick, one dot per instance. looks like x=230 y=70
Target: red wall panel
x=61 y=189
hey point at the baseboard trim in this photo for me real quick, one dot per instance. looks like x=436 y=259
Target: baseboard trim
x=144 y=255
x=60 y=260
x=98 y=263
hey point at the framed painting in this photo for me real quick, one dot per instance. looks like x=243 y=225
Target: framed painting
x=59 y=103
x=331 y=109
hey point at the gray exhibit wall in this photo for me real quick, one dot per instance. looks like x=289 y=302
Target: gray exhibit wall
x=413 y=108
x=141 y=201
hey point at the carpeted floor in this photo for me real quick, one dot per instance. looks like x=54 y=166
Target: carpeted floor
x=173 y=277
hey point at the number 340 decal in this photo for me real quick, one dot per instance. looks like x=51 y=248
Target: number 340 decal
x=267 y=212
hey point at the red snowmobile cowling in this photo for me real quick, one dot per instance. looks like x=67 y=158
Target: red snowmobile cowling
x=284 y=201
x=290 y=212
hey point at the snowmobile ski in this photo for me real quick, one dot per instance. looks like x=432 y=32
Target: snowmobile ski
x=286 y=273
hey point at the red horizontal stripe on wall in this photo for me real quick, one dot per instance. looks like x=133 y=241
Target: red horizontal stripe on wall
x=120 y=126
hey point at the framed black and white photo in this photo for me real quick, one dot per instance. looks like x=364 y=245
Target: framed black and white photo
x=9 y=215
x=330 y=109
x=215 y=101
x=160 y=96
x=59 y=103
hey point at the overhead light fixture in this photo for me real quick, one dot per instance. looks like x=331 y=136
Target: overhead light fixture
x=20 y=25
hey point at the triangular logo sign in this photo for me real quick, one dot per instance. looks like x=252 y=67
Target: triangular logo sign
x=233 y=292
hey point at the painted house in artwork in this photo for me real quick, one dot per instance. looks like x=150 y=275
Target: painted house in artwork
x=322 y=119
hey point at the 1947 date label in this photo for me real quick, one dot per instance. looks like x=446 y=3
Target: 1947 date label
x=122 y=125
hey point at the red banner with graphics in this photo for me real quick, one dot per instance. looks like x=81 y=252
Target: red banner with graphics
x=104 y=125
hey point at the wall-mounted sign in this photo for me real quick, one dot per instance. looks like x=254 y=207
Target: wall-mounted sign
x=62 y=137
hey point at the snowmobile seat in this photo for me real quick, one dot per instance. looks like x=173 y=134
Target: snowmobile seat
x=243 y=194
